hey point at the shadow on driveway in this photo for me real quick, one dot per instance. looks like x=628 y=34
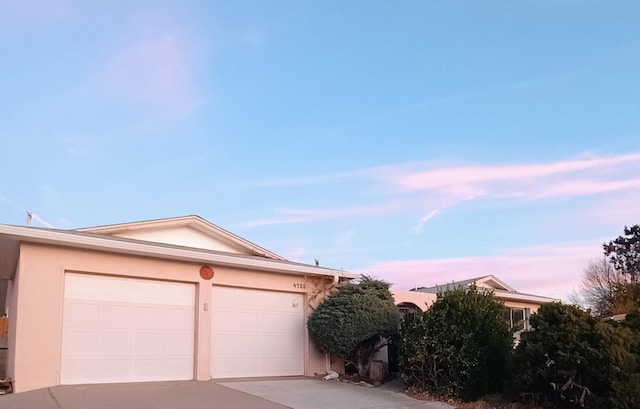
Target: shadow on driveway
x=236 y=394
x=152 y=395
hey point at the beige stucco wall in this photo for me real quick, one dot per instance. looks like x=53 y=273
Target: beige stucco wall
x=181 y=236
x=420 y=300
x=36 y=305
x=423 y=300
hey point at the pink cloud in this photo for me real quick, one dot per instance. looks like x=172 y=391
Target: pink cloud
x=587 y=187
x=473 y=175
x=435 y=191
x=155 y=72
x=551 y=271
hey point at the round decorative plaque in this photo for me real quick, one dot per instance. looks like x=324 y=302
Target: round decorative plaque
x=206 y=272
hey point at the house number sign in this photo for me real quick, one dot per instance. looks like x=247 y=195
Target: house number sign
x=299 y=285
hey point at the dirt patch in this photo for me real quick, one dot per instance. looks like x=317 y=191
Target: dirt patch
x=489 y=402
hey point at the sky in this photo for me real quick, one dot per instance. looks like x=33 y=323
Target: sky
x=419 y=142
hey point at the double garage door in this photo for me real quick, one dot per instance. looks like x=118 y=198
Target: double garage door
x=133 y=330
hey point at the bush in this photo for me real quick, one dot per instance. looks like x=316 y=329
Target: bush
x=458 y=347
x=568 y=344
x=351 y=322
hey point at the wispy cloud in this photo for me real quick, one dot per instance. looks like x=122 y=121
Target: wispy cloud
x=80 y=146
x=311 y=180
x=345 y=237
x=544 y=270
x=430 y=189
x=34 y=11
x=289 y=216
x=154 y=71
x=25 y=211
x=478 y=175
x=418 y=227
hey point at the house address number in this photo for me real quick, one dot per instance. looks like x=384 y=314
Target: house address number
x=299 y=285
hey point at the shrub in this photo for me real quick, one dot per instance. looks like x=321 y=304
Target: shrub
x=352 y=321
x=568 y=344
x=458 y=347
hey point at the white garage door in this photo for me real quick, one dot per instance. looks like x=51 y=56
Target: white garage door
x=126 y=330
x=256 y=333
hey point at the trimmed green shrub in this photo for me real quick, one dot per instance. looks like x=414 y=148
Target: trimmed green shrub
x=458 y=347
x=352 y=322
x=571 y=359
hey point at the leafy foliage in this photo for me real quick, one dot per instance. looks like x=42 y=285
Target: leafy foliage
x=351 y=322
x=458 y=347
x=569 y=352
x=624 y=251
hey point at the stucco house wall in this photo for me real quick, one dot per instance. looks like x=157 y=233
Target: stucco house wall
x=35 y=300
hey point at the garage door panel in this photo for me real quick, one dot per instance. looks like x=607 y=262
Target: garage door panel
x=256 y=333
x=179 y=318
x=270 y=346
x=224 y=345
x=114 y=343
x=178 y=367
x=147 y=344
x=79 y=370
x=115 y=316
x=291 y=346
x=130 y=340
x=292 y=364
x=81 y=314
x=80 y=343
x=225 y=320
x=149 y=317
x=174 y=343
x=114 y=368
x=146 y=368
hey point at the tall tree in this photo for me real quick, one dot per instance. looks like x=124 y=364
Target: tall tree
x=624 y=252
x=606 y=290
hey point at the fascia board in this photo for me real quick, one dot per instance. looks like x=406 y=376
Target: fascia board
x=515 y=296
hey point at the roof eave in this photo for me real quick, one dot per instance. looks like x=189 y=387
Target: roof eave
x=516 y=296
x=148 y=249
x=196 y=221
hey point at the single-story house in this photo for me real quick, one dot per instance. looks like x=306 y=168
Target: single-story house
x=519 y=305
x=169 y=299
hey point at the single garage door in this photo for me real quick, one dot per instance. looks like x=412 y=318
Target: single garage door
x=126 y=330
x=256 y=333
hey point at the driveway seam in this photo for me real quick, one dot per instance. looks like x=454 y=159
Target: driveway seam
x=54 y=398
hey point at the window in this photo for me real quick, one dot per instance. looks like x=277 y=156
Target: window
x=518 y=318
x=408 y=311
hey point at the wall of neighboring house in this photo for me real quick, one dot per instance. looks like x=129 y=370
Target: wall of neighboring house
x=36 y=305
x=420 y=300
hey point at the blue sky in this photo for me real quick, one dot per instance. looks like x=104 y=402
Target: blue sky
x=419 y=142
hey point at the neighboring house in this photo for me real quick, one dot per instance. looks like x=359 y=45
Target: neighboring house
x=170 y=299
x=519 y=305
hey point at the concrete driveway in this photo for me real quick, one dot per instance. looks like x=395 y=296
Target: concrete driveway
x=263 y=394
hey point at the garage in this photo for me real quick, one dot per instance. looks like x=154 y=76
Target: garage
x=119 y=329
x=256 y=333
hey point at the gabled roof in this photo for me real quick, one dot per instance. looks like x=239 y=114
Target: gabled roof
x=489 y=281
x=12 y=236
x=144 y=230
x=500 y=289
